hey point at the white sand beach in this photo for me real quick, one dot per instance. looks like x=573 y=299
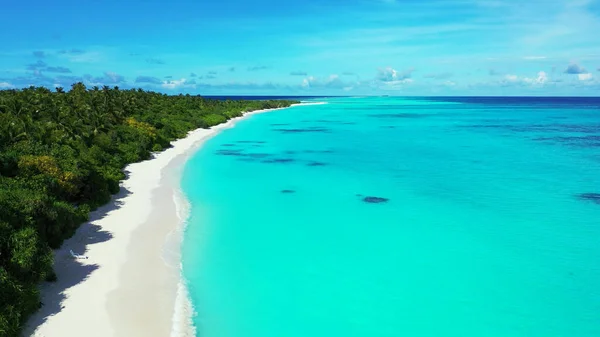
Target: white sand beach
x=128 y=284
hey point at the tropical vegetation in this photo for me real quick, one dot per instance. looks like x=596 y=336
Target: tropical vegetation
x=62 y=155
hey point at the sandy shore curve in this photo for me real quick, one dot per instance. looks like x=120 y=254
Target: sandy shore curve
x=130 y=284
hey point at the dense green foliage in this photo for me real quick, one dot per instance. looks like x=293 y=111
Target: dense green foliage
x=62 y=155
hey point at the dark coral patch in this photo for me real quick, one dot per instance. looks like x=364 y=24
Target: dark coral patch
x=316 y=163
x=578 y=128
x=257 y=155
x=240 y=153
x=399 y=115
x=228 y=145
x=230 y=152
x=287 y=191
x=555 y=127
x=496 y=120
x=327 y=121
x=304 y=130
x=375 y=200
x=593 y=197
x=487 y=126
x=278 y=161
x=582 y=141
x=251 y=141
x=319 y=151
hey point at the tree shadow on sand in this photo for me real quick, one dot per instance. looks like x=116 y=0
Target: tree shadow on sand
x=69 y=270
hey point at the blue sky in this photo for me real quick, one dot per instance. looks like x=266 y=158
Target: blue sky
x=309 y=47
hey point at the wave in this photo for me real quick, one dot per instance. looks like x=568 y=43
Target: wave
x=183 y=312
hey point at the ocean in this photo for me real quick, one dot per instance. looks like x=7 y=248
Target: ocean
x=388 y=217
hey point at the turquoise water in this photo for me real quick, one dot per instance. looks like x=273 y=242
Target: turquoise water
x=489 y=225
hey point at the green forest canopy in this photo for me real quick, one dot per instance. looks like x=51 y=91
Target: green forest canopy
x=62 y=155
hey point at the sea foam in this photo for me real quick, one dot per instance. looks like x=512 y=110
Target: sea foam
x=184 y=311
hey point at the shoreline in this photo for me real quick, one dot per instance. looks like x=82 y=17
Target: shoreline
x=131 y=283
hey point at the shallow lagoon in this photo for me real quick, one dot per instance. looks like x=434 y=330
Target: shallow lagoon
x=483 y=220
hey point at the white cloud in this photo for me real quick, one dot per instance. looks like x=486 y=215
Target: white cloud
x=172 y=84
x=83 y=57
x=585 y=77
x=534 y=57
x=387 y=75
x=540 y=79
x=108 y=78
x=399 y=82
x=307 y=82
x=113 y=76
x=391 y=78
x=390 y=74
x=6 y=85
x=333 y=81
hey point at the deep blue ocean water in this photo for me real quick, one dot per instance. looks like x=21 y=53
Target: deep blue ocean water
x=488 y=222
